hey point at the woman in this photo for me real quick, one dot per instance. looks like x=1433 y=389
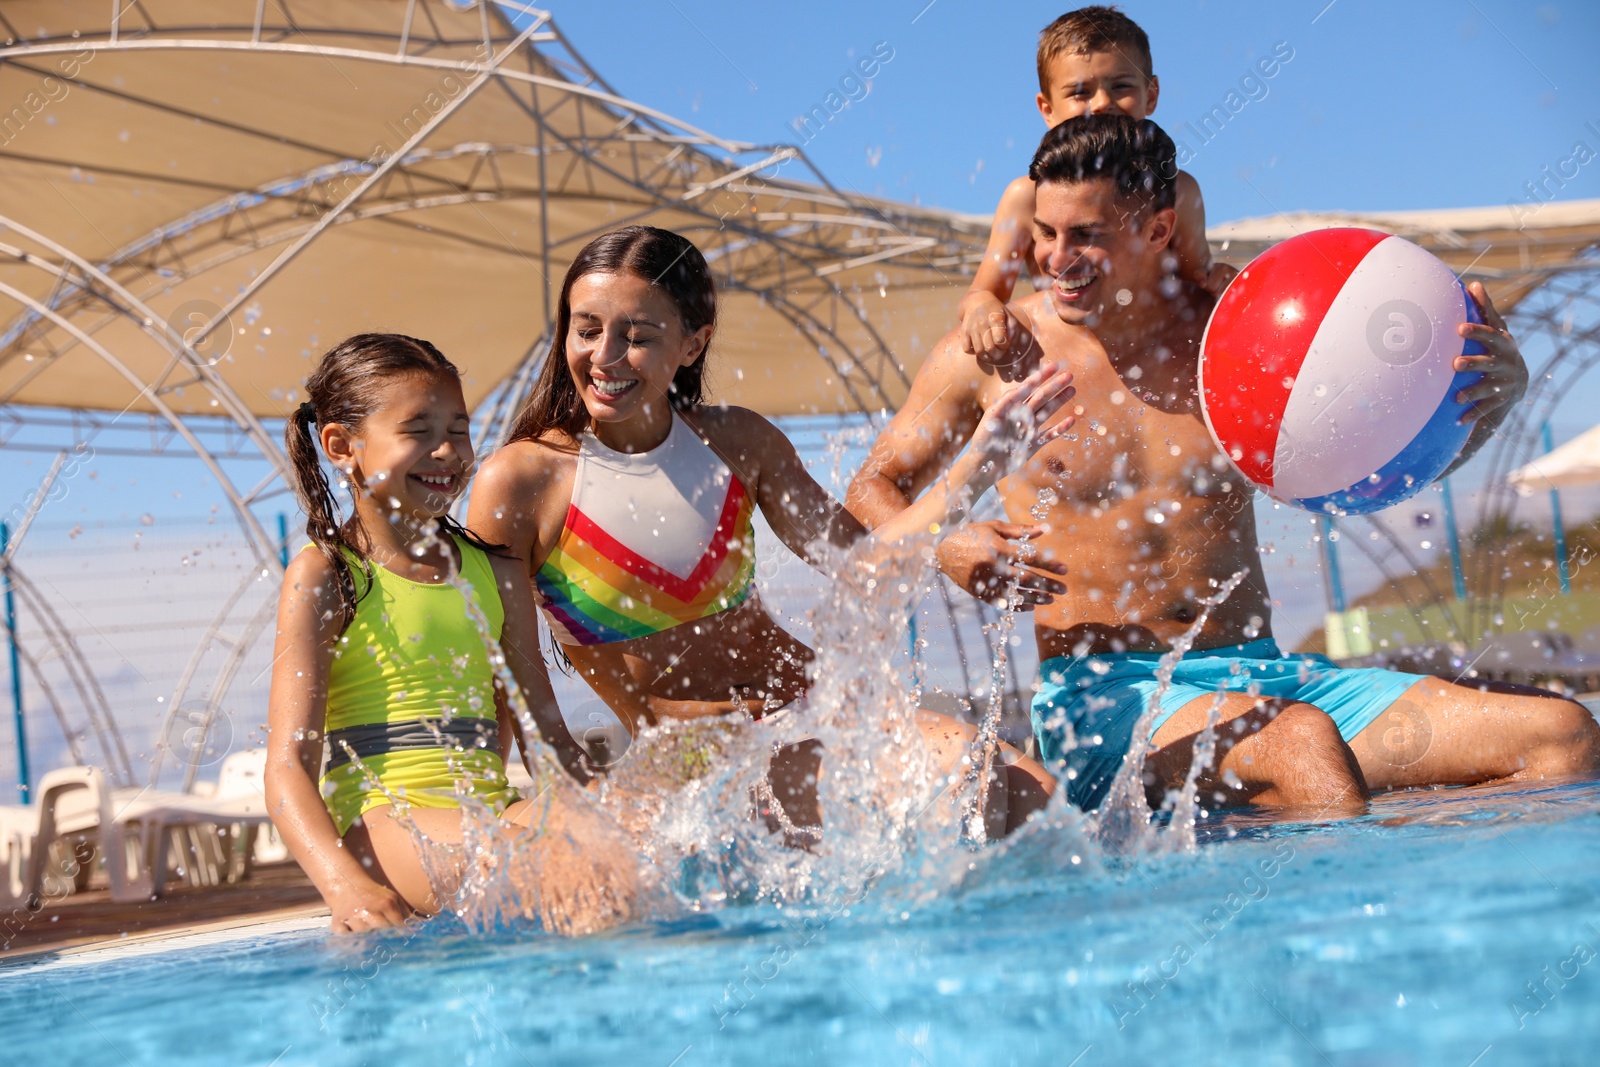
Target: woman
x=631 y=502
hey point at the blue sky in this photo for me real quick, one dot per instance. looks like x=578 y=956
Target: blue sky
x=1384 y=105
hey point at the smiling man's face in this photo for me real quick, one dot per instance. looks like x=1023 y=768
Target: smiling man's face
x=1101 y=252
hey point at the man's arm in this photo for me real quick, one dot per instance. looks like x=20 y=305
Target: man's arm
x=930 y=429
x=920 y=442
x=1505 y=375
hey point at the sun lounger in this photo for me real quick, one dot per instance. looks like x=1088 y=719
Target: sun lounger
x=132 y=827
x=72 y=800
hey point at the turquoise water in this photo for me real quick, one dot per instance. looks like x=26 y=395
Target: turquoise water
x=1408 y=936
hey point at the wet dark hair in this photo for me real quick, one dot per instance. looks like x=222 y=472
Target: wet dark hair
x=344 y=389
x=662 y=258
x=1092 y=29
x=1136 y=154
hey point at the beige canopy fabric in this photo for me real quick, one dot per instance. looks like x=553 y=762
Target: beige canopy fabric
x=267 y=178
x=1512 y=249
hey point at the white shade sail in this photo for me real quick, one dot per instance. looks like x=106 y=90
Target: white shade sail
x=1576 y=463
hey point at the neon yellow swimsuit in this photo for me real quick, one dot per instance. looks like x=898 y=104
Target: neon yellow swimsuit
x=411 y=690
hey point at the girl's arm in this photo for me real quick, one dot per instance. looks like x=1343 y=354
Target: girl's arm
x=309 y=621
x=987 y=328
x=519 y=640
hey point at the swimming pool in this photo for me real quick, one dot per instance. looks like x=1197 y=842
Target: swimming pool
x=1408 y=936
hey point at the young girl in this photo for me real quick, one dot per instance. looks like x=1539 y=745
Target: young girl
x=380 y=651
x=630 y=502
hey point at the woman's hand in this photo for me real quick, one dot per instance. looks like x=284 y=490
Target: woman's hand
x=358 y=907
x=1010 y=428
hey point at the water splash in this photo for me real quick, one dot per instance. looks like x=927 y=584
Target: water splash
x=987 y=743
x=568 y=866
x=1122 y=824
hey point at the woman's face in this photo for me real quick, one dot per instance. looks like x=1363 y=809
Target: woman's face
x=624 y=344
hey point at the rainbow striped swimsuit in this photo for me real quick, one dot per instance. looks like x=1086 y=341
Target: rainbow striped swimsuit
x=652 y=540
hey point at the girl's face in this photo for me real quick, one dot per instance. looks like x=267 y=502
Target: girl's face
x=413 y=453
x=625 y=342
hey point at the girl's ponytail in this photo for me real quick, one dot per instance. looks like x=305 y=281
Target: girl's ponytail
x=316 y=500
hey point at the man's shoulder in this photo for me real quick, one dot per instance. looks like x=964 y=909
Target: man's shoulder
x=949 y=366
x=1075 y=345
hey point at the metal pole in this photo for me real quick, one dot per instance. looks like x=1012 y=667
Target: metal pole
x=1454 y=536
x=911 y=643
x=1330 y=555
x=1556 y=525
x=16 y=668
x=283 y=540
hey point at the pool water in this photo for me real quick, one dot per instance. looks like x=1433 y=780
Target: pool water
x=1457 y=927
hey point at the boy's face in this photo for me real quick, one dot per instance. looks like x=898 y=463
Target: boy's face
x=1101 y=252
x=1093 y=83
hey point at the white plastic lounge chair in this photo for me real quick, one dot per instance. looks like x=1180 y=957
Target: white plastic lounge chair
x=244 y=774
x=74 y=800
x=131 y=827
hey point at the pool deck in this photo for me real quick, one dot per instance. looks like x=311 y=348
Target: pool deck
x=92 y=919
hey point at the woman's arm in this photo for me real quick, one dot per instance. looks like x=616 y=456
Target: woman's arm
x=309 y=620
x=519 y=640
x=1007 y=436
x=517 y=491
x=803 y=514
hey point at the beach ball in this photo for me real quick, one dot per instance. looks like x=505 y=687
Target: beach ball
x=1326 y=370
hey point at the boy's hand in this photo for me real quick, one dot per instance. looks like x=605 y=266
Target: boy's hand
x=985 y=324
x=993 y=332
x=1505 y=374
x=981 y=557
x=1219 y=276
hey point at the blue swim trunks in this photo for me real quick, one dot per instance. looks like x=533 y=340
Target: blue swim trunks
x=1097 y=700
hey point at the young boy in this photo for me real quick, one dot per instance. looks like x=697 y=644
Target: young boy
x=1092 y=60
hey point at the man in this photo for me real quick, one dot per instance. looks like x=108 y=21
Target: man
x=1153 y=525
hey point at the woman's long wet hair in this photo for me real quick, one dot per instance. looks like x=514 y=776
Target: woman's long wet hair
x=344 y=389
x=662 y=258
